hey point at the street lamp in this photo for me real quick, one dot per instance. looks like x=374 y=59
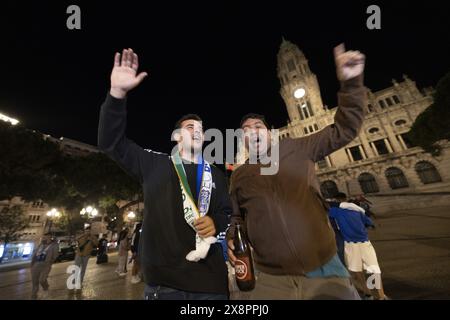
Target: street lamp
x=89 y=211
x=131 y=215
x=51 y=215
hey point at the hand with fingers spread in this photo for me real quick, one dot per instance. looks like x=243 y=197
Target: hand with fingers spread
x=349 y=64
x=124 y=75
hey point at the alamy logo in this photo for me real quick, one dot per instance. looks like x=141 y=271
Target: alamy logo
x=74 y=20
x=74 y=280
x=374 y=20
x=374 y=281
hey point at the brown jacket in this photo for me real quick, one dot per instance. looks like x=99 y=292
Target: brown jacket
x=284 y=214
x=88 y=243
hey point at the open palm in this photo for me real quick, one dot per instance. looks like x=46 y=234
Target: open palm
x=124 y=75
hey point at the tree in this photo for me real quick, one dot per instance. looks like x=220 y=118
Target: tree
x=12 y=222
x=433 y=124
x=26 y=163
x=93 y=180
x=34 y=168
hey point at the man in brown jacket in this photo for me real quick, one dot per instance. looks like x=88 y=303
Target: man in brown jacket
x=86 y=243
x=284 y=214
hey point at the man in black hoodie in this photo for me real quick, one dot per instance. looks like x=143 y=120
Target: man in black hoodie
x=178 y=253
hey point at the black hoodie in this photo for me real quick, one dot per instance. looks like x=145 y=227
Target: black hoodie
x=166 y=237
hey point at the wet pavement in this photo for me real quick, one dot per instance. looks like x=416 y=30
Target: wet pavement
x=100 y=282
x=413 y=250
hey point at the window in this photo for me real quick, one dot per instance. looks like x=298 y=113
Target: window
x=407 y=141
x=370 y=107
x=356 y=153
x=381 y=147
x=291 y=65
x=396 y=178
x=373 y=130
x=305 y=130
x=37 y=204
x=400 y=122
x=389 y=102
x=311 y=113
x=427 y=172
x=311 y=129
x=322 y=164
x=300 y=111
x=368 y=183
x=316 y=127
x=303 y=112
x=382 y=104
x=328 y=189
x=396 y=99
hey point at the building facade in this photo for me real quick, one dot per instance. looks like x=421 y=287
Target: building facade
x=381 y=161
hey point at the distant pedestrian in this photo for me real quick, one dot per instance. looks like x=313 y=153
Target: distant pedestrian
x=359 y=252
x=135 y=271
x=123 y=245
x=102 y=251
x=86 y=243
x=41 y=264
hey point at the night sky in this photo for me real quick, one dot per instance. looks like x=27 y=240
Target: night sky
x=217 y=59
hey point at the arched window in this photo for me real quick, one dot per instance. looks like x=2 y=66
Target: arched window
x=368 y=183
x=427 y=172
x=382 y=104
x=396 y=99
x=396 y=178
x=328 y=189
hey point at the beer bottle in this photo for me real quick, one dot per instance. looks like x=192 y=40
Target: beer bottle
x=245 y=275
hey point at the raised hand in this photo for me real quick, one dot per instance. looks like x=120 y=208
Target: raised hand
x=124 y=75
x=349 y=64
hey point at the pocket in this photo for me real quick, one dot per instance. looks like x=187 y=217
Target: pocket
x=162 y=293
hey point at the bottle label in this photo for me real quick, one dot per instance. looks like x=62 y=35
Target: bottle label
x=241 y=267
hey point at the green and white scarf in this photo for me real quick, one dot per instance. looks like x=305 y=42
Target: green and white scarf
x=190 y=208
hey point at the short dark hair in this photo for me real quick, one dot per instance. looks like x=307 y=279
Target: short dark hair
x=254 y=116
x=340 y=195
x=190 y=116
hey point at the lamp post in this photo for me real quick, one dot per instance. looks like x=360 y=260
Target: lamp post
x=89 y=212
x=131 y=216
x=52 y=214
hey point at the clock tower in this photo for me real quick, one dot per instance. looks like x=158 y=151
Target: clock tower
x=299 y=87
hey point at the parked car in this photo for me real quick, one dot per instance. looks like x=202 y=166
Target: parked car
x=66 y=252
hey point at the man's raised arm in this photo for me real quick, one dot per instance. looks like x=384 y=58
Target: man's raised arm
x=352 y=100
x=112 y=124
